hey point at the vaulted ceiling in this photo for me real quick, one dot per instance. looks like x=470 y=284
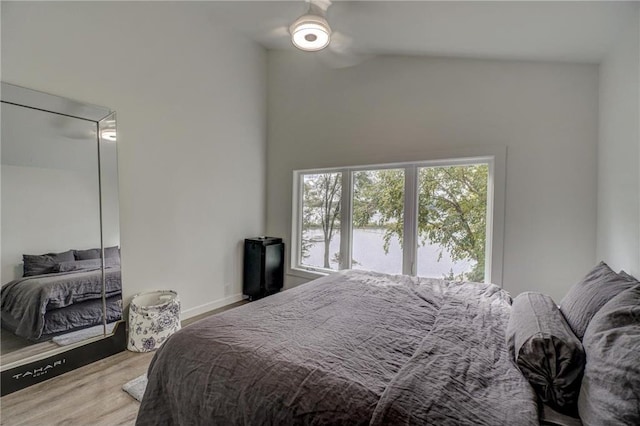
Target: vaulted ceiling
x=575 y=31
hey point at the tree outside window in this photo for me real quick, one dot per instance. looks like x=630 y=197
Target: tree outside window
x=451 y=219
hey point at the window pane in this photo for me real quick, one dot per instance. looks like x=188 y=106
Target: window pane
x=320 y=239
x=378 y=207
x=452 y=211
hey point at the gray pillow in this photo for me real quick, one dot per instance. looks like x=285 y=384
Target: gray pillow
x=95 y=253
x=627 y=277
x=86 y=265
x=610 y=392
x=112 y=252
x=545 y=350
x=87 y=254
x=585 y=298
x=44 y=263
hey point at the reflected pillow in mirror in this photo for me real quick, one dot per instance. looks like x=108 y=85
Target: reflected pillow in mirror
x=95 y=253
x=79 y=265
x=110 y=252
x=87 y=254
x=44 y=263
x=86 y=265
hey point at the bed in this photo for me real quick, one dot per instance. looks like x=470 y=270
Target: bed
x=354 y=347
x=38 y=307
x=360 y=347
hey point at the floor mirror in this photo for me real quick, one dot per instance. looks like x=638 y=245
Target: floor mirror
x=61 y=295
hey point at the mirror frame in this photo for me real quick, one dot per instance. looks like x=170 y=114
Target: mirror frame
x=37 y=368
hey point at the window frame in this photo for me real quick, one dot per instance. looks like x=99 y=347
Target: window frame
x=494 y=220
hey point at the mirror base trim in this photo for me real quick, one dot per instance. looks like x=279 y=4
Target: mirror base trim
x=29 y=374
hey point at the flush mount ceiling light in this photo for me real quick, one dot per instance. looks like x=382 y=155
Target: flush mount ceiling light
x=310 y=32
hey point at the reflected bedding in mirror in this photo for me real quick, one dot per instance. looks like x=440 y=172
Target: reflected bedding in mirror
x=40 y=306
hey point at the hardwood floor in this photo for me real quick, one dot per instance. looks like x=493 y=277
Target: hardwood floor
x=90 y=395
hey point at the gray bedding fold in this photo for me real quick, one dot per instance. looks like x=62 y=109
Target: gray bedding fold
x=81 y=315
x=462 y=373
x=24 y=302
x=326 y=353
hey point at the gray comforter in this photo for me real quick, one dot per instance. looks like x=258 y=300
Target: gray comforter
x=24 y=302
x=350 y=348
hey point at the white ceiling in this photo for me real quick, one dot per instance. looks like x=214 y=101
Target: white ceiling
x=574 y=31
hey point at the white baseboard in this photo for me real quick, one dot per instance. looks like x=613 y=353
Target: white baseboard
x=193 y=312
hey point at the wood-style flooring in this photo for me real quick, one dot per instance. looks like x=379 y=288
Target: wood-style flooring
x=90 y=395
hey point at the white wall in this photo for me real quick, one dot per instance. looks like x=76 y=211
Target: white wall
x=619 y=151
x=401 y=109
x=190 y=97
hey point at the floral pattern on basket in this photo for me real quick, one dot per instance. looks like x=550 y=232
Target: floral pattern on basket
x=150 y=326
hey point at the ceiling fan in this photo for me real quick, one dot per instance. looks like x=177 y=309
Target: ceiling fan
x=311 y=32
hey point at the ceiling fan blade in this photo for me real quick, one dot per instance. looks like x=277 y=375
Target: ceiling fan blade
x=340 y=54
x=278 y=32
x=275 y=37
x=319 y=7
x=333 y=59
x=341 y=43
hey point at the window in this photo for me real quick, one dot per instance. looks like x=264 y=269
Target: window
x=320 y=233
x=377 y=218
x=452 y=221
x=432 y=219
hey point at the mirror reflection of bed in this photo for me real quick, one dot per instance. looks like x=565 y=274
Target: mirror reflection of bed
x=58 y=301
x=59 y=228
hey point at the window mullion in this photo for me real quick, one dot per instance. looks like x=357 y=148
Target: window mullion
x=488 y=248
x=345 y=220
x=410 y=228
x=296 y=239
